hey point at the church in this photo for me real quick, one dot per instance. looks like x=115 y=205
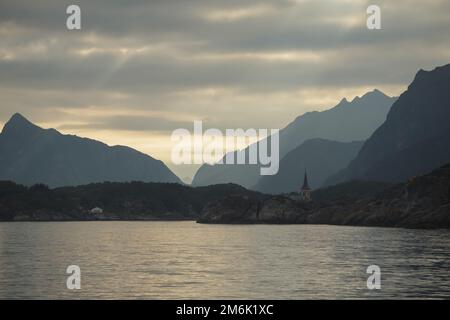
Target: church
x=305 y=192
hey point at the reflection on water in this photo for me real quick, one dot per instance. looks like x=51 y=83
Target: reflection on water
x=184 y=260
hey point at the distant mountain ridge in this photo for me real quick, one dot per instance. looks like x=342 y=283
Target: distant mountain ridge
x=415 y=137
x=30 y=154
x=321 y=158
x=348 y=121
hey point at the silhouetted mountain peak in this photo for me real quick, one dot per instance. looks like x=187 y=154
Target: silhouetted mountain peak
x=438 y=74
x=414 y=138
x=19 y=124
x=375 y=93
x=346 y=122
x=18 y=119
x=371 y=95
x=30 y=154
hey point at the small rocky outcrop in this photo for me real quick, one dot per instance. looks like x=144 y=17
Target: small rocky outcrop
x=241 y=210
x=232 y=209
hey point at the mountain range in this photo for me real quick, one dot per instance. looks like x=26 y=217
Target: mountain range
x=414 y=139
x=389 y=180
x=30 y=154
x=348 y=121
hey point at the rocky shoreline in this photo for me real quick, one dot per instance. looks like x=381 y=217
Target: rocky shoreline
x=135 y=201
x=422 y=202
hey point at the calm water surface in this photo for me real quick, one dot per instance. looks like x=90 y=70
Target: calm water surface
x=184 y=260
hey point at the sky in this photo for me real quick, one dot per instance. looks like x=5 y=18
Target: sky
x=137 y=70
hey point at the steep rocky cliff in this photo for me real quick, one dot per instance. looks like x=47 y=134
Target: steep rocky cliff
x=415 y=137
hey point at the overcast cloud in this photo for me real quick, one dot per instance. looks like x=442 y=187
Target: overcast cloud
x=139 y=69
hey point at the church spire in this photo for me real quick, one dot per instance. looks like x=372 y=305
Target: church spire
x=305 y=192
x=305 y=182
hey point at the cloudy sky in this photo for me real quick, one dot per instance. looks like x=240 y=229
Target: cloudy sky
x=139 y=69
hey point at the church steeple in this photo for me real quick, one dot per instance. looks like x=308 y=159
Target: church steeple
x=305 y=192
x=305 y=182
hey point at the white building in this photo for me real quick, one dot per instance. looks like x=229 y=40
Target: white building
x=96 y=210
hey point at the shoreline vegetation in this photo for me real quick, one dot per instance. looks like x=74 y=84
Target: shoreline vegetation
x=116 y=201
x=422 y=202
